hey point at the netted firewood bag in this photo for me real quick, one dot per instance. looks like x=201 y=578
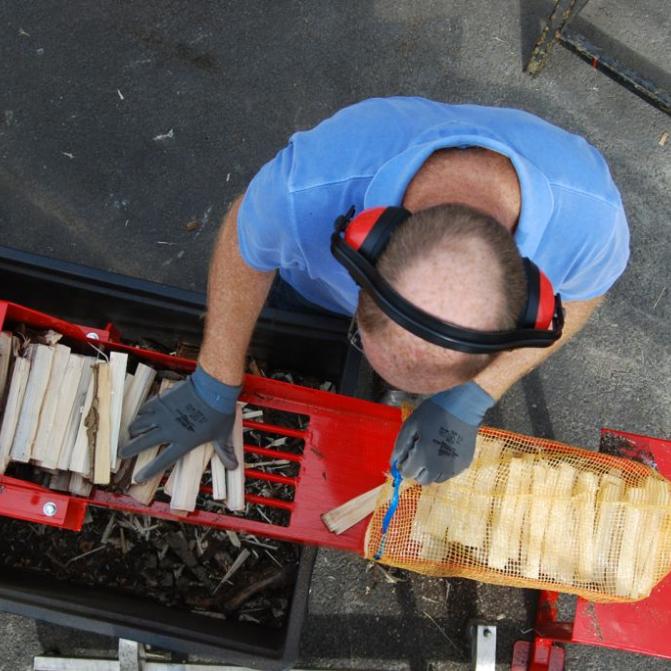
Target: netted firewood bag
x=534 y=513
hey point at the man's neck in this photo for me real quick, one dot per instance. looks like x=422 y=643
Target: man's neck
x=476 y=177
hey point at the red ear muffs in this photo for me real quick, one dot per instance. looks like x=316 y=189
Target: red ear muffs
x=368 y=234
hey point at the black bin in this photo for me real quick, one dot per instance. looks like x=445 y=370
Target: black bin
x=309 y=345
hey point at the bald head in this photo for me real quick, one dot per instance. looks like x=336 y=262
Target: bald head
x=459 y=266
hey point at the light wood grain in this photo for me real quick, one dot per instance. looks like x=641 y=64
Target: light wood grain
x=41 y=357
x=43 y=442
x=118 y=363
x=103 y=434
x=235 y=480
x=17 y=389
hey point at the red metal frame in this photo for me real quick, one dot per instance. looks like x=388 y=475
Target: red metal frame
x=636 y=627
x=347 y=443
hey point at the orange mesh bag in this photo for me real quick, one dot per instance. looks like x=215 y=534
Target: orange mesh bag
x=534 y=513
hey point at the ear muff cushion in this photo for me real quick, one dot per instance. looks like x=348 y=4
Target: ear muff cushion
x=358 y=229
x=540 y=307
x=546 y=302
x=369 y=232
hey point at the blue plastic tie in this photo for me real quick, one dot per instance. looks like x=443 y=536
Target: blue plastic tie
x=393 y=505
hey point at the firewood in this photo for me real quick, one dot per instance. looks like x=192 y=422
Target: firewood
x=345 y=516
x=585 y=497
x=118 y=363
x=76 y=411
x=148 y=455
x=631 y=537
x=134 y=396
x=103 y=434
x=60 y=481
x=40 y=367
x=79 y=485
x=188 y=474
x=17 y=389
x=66 y=399
x=44 y=436
x=235 y=480
x=543 y=480
x=144 y=492
x=80 y=459
x=5 y=360
x=218 y=471
x=558 y=560
x=657 y=497
x=608 y=529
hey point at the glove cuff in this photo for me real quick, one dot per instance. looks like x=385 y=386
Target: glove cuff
x=218 y=395
x=469 y=402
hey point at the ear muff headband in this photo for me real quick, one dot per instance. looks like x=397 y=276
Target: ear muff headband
x=350 y=253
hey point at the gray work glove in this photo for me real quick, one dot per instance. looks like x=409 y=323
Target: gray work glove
x=437 y=441
x=198 y=410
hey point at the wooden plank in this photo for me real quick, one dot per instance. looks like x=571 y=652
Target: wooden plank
x=188 y=474
x=64 y=407
x=148 y=455
x=40 y=367
x=17 y=389
x=79 y=485
x=344 y=517
x=118 y=363
x=80 y=456
x=103 y=434
x=145 y=492
x=235 y=480
x=44 y=435
x=74 y=420
x=6 y=347
x=218 y=471
x=135 y=395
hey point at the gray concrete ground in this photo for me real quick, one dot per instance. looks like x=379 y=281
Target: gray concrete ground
x=87 y=91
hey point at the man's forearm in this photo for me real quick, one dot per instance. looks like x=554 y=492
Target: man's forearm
x=511 y=366
x=235 y=295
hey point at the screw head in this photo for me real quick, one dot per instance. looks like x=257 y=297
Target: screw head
x=49 y=508
x=487 y=633
x=93 y=335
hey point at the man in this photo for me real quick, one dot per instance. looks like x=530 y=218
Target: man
x=482 y=187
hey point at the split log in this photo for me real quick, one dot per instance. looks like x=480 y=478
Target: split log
x=44 y=436
x=80 y=459
x=17 y=389
x=135 y=395
x=103 y=433
x=344 y=517
x=218 y=471
x=188 y=473
x=235 y=480
x=144 y=492
x=41 y=357
x=118 y=364
x=6 y=346
x=67 y=397
x=79 y=485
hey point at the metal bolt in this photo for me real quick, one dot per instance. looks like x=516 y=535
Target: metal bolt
x=93 y=335
x=49 y=509
x=486 y=633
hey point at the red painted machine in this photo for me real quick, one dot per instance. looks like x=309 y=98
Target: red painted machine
x=346 y=447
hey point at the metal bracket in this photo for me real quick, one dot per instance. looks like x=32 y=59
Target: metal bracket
x=483 y=647
x=132 y=657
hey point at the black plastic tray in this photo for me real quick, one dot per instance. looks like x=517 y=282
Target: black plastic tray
x=306 y=344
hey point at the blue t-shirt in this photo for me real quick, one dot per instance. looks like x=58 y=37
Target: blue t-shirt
x=572 y=224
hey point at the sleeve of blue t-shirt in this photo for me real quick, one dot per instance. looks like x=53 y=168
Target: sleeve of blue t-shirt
x=585 y=249
x=266 y=218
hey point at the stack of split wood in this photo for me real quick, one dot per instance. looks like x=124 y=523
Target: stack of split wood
x=66 y=413
x=531 y=513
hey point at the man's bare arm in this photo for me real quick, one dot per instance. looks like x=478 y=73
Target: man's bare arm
x=235 y=295
x=511 y=366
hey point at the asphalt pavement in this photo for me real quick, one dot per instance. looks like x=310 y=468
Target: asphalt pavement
x=126 y=129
